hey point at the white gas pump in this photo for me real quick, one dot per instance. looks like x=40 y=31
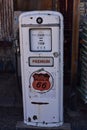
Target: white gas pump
x=41 y=47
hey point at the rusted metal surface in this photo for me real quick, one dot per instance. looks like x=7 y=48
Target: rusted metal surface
x=6 y=19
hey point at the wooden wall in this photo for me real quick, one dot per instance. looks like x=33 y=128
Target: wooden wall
x=27 y=5
x=66 y=8
x=6 y=19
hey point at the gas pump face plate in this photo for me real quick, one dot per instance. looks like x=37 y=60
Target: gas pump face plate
x=41 y=48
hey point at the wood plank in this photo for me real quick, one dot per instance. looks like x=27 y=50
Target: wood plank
x=25 y=5
x=56 y=5
x=75 y=37
x=44 y=4
x=6 y=19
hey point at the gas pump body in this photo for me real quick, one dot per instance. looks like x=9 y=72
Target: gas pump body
x=41 y=48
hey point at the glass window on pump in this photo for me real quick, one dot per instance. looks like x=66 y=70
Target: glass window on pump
x=39 y=39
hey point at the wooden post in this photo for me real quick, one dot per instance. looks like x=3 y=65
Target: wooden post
x=55 y=5
x=75 y=37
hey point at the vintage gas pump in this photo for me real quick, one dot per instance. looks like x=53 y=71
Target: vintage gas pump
x=41 y=47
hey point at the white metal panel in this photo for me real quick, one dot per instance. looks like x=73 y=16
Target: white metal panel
x=42 y=86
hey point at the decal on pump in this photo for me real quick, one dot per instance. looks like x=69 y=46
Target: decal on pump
x=41 y=81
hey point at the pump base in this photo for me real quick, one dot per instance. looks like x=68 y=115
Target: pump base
x=21 y=125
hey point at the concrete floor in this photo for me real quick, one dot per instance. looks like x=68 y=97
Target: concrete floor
x=10 y=95
x=11 y=110
x=10 y=102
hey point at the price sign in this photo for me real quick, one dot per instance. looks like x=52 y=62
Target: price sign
x=40 y=40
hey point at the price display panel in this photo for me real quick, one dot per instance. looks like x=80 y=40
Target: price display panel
x=40 y=40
